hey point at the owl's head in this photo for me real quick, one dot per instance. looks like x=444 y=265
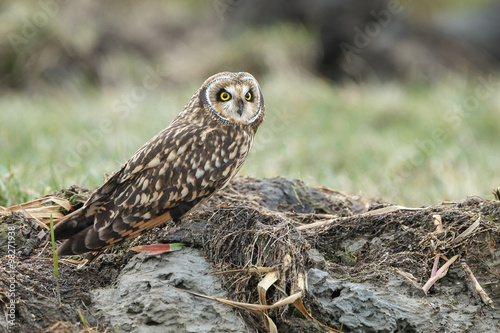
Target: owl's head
x=233 y=98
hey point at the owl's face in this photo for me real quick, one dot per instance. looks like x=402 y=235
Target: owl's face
x=233 y=97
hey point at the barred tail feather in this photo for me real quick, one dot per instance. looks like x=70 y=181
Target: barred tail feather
x=72 y=224
x=82 y=242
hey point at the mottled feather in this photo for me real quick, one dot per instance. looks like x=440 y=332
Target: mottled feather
x=170 y=175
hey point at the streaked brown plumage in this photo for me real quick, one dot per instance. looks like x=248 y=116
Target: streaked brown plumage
x=186 y=163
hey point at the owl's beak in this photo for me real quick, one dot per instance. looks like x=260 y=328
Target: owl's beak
x=240 y=108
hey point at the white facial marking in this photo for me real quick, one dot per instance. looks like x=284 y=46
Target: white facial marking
x=207 y=94
x=238 y=91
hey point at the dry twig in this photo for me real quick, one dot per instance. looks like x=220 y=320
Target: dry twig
x=484 y=296
x=439 y=274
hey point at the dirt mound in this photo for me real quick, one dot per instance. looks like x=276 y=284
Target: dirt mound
x=361 y=256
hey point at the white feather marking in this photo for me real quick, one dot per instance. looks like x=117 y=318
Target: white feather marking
x=205 y=133
x=181 y=149
x=190 y=180
x=137 y=169
x=254 y=118
x=233 y=154
x=144 y=198
x=154 y=162
x=171 y=156
x=226 y=171
x=141 y=181
x=199 y=173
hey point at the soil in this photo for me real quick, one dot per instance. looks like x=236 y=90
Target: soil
x=366 y=262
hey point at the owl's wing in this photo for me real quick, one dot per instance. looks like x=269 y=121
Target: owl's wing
x=167 y=177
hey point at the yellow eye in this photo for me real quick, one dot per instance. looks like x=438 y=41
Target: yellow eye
x=225 y=96
x=248 y=96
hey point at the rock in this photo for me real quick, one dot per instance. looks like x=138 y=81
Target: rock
x=146 y=299
x=370 y=307
x=316 y=258
x=282 y=194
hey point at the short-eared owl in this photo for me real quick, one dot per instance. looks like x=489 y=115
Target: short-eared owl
x=186 y=163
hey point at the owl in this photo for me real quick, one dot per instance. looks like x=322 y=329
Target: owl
x=175 y=171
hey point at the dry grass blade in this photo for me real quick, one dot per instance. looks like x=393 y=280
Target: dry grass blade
x=264 y=285
x=380 y=211
x=258 y=270
x=408 y=277
x=61 y=202
x=34 y=218
x=390 y=209
x=301 y=285
x=468 y=231
x=71 y=261
x=257 y=308
x=318 y=224
x=438 y=223
x=262 y=288
x=41 y=209
x=300 y=306
x=262 y=309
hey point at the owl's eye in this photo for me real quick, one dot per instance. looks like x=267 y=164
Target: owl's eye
x=248 y=96
x=225 y=96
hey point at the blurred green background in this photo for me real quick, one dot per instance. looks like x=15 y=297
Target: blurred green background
x=395 y=100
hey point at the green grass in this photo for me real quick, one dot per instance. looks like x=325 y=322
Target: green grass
x=55 y=259
x=399 y=143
